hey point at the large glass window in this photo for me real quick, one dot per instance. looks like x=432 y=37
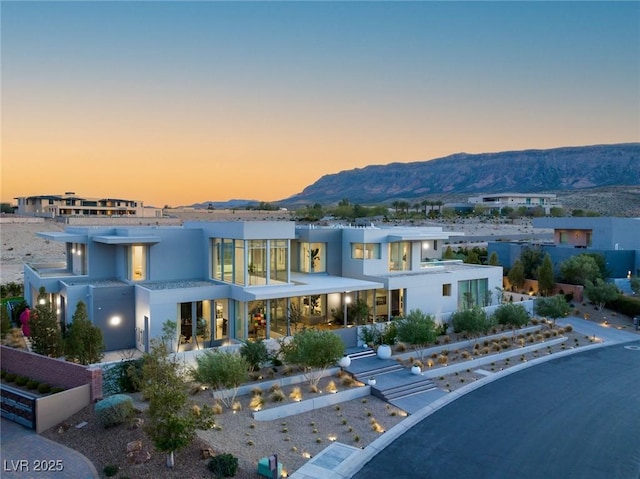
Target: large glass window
x=400 y=256
x=257 y=257
x=474 y=292
x=313 y=257
x=138 y=263
x=365 y=250
x=279 y=261
x=238 y=265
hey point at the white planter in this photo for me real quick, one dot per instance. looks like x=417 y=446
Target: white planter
x=416 y=370
x=384 y=351
x=371 y=382
x=345 y=362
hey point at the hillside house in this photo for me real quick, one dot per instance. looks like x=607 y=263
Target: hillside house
x=225 y=281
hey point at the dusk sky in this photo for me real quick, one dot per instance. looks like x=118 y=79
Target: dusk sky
x=182 y=102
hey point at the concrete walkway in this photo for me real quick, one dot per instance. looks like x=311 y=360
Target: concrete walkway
x=27 y=454
x=350 y=463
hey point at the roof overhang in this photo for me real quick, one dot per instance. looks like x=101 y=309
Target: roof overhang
x=308 y=284
x=114 y=239
x=63 y=237
x=423 y=236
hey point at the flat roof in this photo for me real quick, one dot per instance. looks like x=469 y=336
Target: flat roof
x=116 y=239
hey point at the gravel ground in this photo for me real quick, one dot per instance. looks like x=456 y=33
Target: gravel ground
x=294 y=438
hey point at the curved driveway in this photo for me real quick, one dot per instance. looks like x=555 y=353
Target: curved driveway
x=577 y=416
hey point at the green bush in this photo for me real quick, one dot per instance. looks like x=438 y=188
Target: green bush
x=44 y=388
x=3 y=373
x=255 y=353
x=33 y=384
x=110 y=470
x=626 y=305
x=114 y=410
x=56 y=390
x=223 y=465
x=10 y=377
x=21 y=380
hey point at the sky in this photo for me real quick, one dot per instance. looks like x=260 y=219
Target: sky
x=173 y=103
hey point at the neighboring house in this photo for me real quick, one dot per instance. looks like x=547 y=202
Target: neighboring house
x=225 y=281
x=54 y=206
x=516 y=200
x=617 y=239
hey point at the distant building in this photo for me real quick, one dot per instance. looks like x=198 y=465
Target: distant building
x=516 y=200
x=617 y=239
x=232 y=281
x=69 y=204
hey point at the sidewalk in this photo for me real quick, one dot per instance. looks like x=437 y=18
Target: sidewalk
x=26 y=454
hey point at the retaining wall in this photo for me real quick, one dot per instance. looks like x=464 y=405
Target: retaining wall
x=56 y=372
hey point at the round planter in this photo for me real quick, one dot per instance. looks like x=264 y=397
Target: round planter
x=384 y=351
x=371 y=382
x=345 y=362
x=416 y=370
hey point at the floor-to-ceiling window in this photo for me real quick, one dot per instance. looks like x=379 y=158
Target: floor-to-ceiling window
x=473 y=292
x=400 y=256
x=257 y=258
x=278 y=317
x=313 y=257
x=137 y=262
x=279 y=261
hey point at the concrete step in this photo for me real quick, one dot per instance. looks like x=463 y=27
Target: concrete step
x=408 y=390
x=363 y=376
x=367 y=353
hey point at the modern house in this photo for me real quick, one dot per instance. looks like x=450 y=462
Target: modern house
x=225 y=281
x=617 y=239
x=69 y=204
x=516 y=200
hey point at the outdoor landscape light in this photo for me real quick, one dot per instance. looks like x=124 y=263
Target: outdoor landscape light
x=115 y=321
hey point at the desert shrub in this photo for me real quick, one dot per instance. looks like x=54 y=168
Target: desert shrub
x=114 y=410
x=110 y=470
x=347 y=381
x=216 y=408
x=44 y=388
x=295 y=394
x=56 y=390
x=32 y=384
x=257 y=391
x=21 y=380
x=256 y=403
x=442 y=359
x=521 y=342
x=223 y=465
x=485 y=350
x=400 y=347
x=331 y=387
x=568 y=328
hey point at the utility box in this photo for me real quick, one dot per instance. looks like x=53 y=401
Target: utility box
x=264 y=469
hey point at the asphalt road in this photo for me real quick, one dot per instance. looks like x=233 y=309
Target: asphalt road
x=573 y=417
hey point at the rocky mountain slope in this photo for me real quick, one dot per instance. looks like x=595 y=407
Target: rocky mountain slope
x=559 y=169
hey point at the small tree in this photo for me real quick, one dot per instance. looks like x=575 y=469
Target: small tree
x=83 y=343
x=417 y=329
x=546 y=280
x=46 y=336
x=579 y=269
x=359 y=311
x=5 y=322
x=516 y=275
x=601 y=293
x=513 y=315
x=472 y=321
x=255 y=353
x=635 y=285
x=531 y=258
x=294 y=317
x=553 y=307
x=315 y=351
x=169 y=332
x=222 y=370
x=172 y=418
x=448 y=253
x=493 y=259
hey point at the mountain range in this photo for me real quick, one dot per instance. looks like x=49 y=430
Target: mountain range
x=527 y=171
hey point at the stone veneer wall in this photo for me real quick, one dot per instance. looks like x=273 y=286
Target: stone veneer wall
x=57 y=372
